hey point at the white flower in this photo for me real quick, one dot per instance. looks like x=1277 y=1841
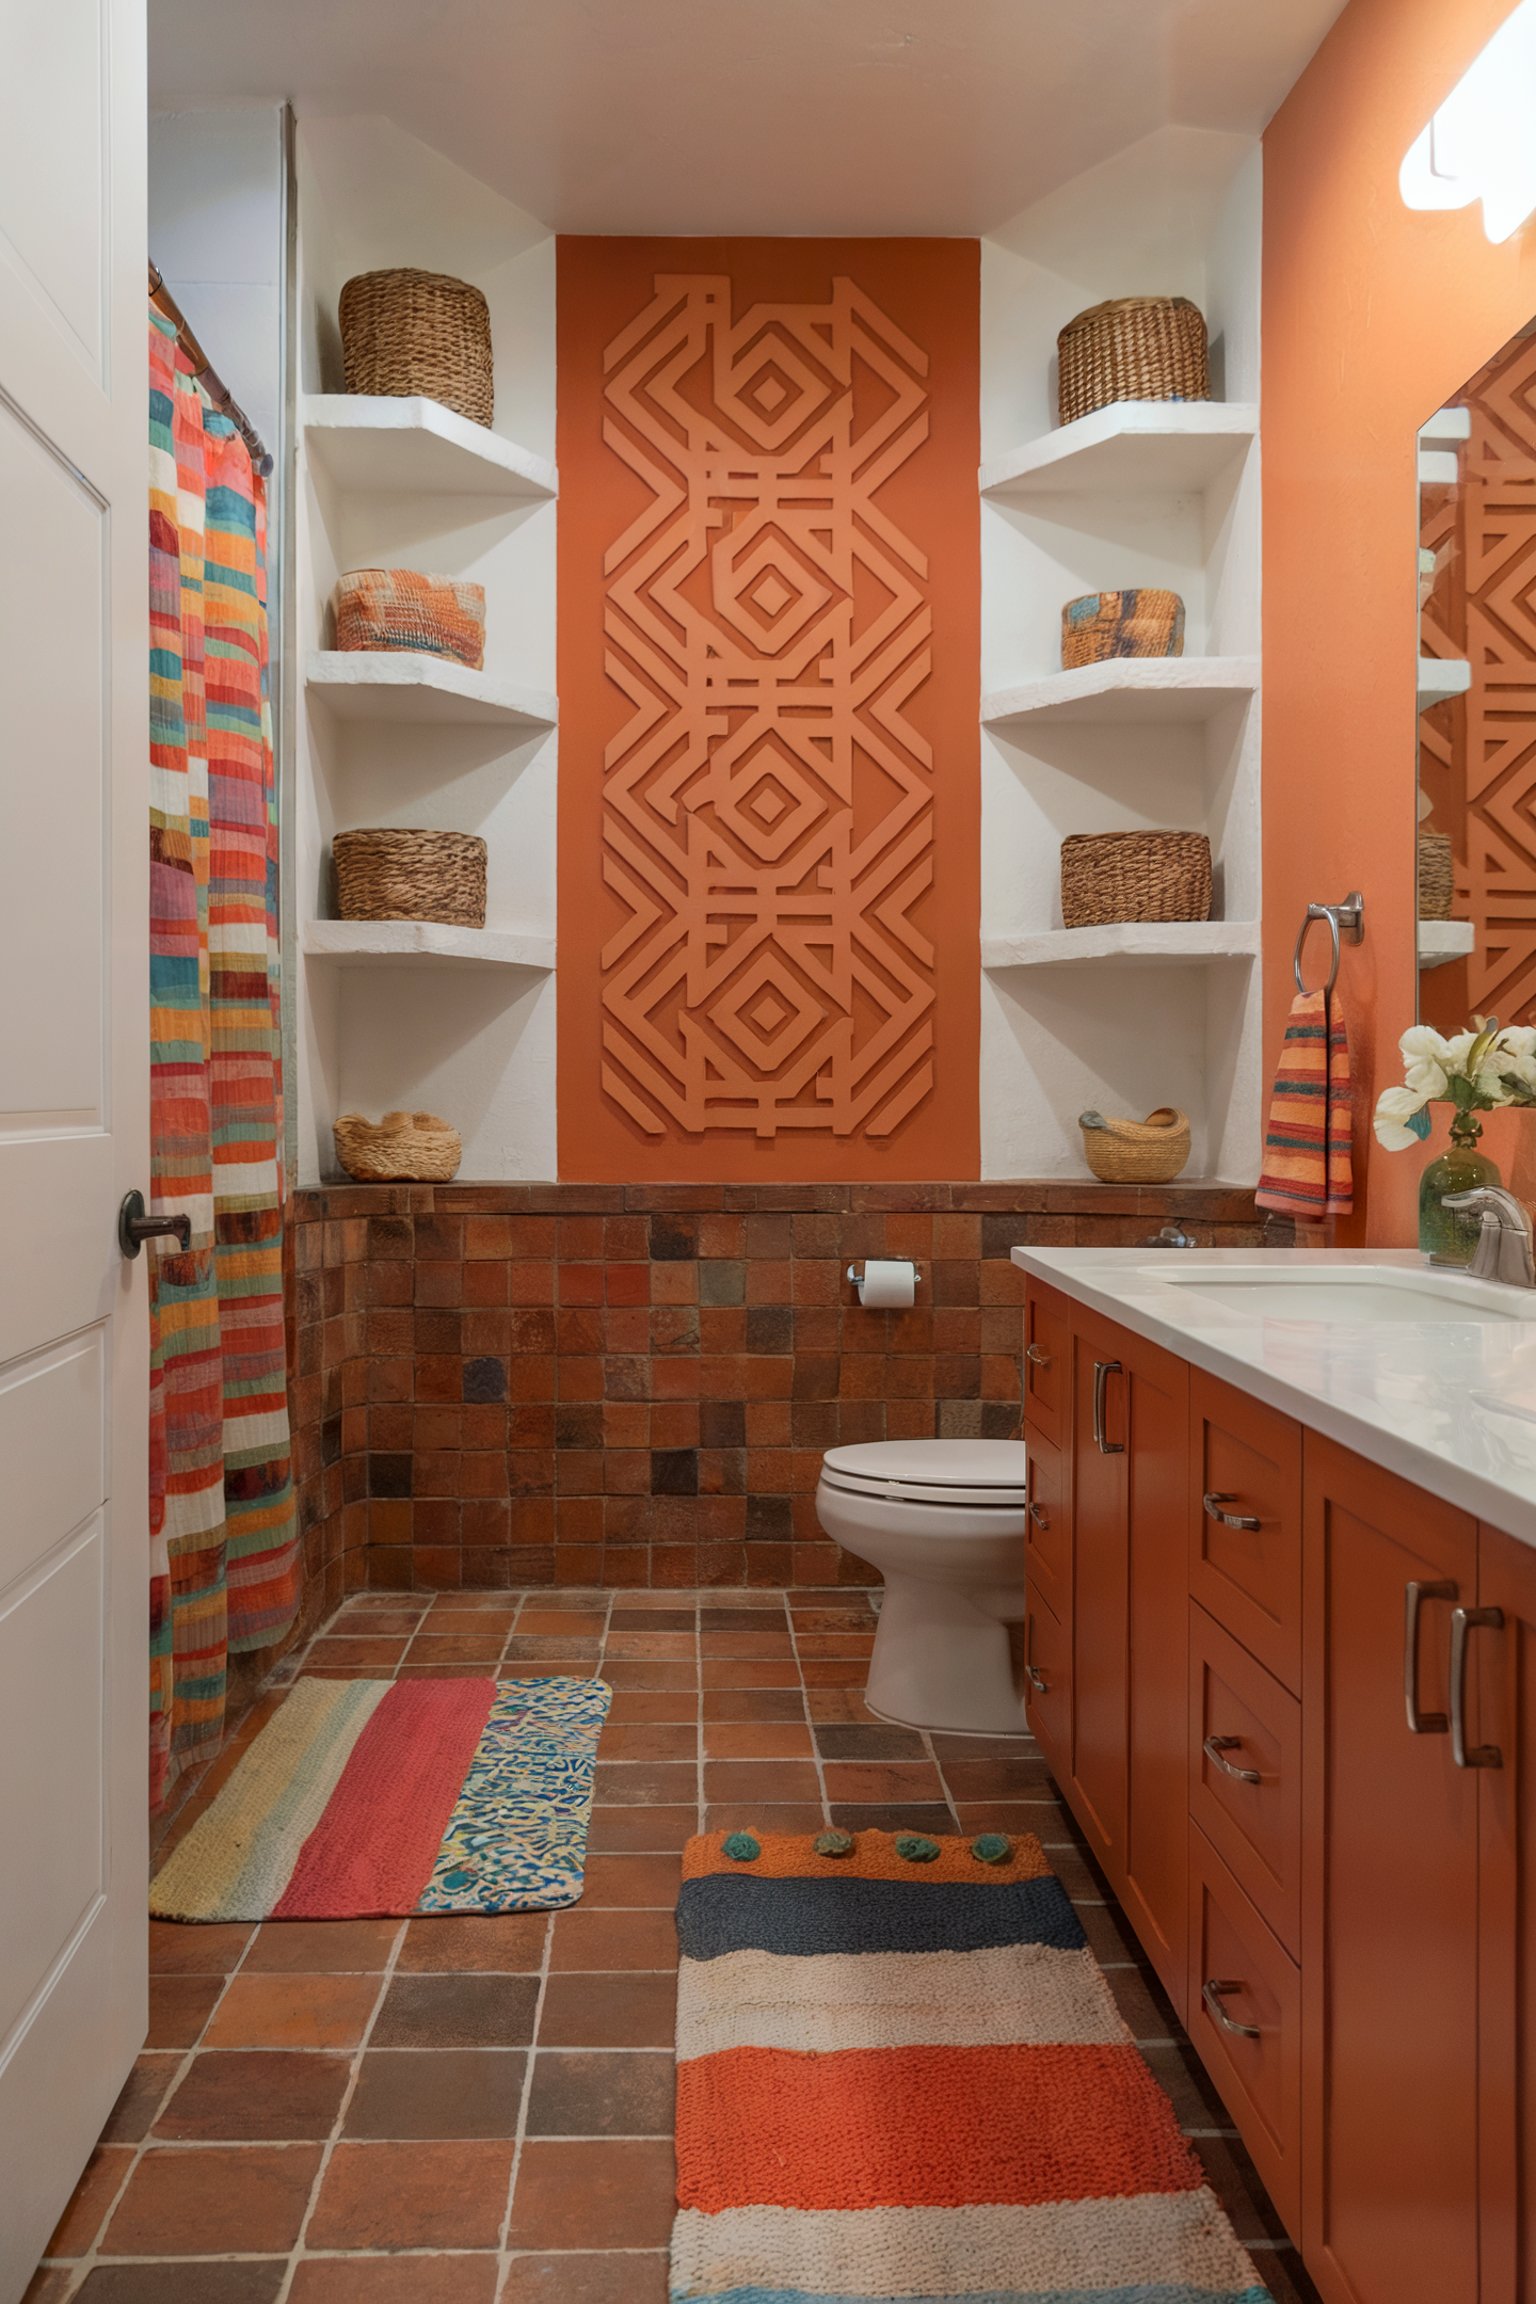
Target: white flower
x=1426 y=1057
x=1517 y=1055
x=1395 y=1107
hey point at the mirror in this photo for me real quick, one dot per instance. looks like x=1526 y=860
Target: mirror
x=1477 y=697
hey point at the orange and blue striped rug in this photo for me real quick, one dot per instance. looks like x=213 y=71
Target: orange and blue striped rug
x=371 y=1798
x=902 y=2075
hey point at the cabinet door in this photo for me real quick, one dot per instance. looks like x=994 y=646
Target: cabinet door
x=1048 y=1540
x=1099 y=1627
x=1503 y=1680
x=1156 y=1885
x=1389 y=1898
x=1245 y=1562
x=1047 y=1364
x=1048 y=1682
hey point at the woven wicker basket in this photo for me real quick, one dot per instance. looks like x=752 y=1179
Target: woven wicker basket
x=403 y=1147
x=1133 y=348
x=405 y=332
x=400 y=608
x=1099 y=625
x=1109 y=876
x=1437 y=875
x=1150 y=1151
x=410 y=875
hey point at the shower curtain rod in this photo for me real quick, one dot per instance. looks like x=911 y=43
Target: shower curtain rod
x=206 y=374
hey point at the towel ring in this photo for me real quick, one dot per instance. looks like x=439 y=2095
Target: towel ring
x=1346 y=925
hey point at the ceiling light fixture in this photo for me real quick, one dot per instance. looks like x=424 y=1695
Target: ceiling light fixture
x=1479 y=144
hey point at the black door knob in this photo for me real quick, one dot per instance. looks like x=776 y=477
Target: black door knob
x=134 y=1227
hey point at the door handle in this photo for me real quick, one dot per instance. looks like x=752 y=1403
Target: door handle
x=1037 y=1355
x=1215 y=1746
x=134 y=1227
x=1032 y=1674
x=1419 y=1723
x=1463 y=1622
x=1213 y=1511
x=1213 y=1991
x=1102 y=1372
x=1039 y=1517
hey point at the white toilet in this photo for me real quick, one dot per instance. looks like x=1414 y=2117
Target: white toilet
x=944 y=1522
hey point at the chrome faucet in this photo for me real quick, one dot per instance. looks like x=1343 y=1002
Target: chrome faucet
x=1504 y=1248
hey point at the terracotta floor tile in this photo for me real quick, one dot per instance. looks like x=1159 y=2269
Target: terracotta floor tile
x=616 y=2193
x=455 y=2092
x=214 y=2199
x=663 y=1646
x=640 y=1828
x=51 y=2285
x=1142 y=2004
x=753 y=1704
x=373 y=1655
x=885 y=1780
x=629 y=1619
x=623 y=1674
x=891 y=1816
x=396 y=2280
x=265 y=2096
x=747 y=1672
x=373 y=1623
x=178 y=1948
x=823 y=1644
x=737 y=1616
x=846 y=1740
x=549 y=1668
x=269 y=2010
x=511 y=1942
x=631 y=1880
x=141 y=2097
x=950 y=1747
x=527 y=1648
x=834 y=1672
x=92 y=2197
x=322 y=1947
x=465 y=2010
x=713 y=1645
x=814 y=1619
x=611 y=1940
x=586 y=1623
x=250 y=2282
x=1047 y=1819
x=753 y=1740
x=1179 y=2072
x=774 y=1780
x=634 y=1706
x=412 y=2196
x=646 y=1740
x=482 y=1648
x=996 y=1779
x=570 y=2279
x=636 y=2010
x=179 y=2007
x=841 y=1704
x=643 y=1783
x=497 y=1603
x=765 y=1816
x=596 y=2092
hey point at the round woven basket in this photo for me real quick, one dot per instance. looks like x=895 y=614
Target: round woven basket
x=1150 y=1151
x=1109 y=876
x=1098 y=625
x=401 y=608
x=1437 y=875
x=1132 y=348
x=401 y=874
x=405 y=332
x=403 y=1147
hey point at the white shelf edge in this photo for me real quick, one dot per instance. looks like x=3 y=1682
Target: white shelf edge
x=1441 y=677
x=362 y=941
x=1126 y=688
x=1156 y=940
x=1441 y=941
x=337 y=425
x=1199 y=433
x=409 y=684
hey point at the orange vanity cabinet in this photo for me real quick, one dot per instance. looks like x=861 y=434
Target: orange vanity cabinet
x=1502 y=1671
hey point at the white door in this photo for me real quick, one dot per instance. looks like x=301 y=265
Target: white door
x=74 y=1092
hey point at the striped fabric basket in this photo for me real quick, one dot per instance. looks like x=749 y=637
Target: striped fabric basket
x=402 y=608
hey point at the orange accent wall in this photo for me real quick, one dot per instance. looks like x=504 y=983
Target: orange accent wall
x=769 y=678
x=1373 y=315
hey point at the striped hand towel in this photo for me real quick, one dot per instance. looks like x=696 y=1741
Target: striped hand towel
x=1309 y=1143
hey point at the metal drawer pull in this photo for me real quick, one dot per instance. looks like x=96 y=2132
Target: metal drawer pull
x=1215 y=1746
x=1212 y=1992
x=1419 y=1723
x=1038 y=1514
x=1038 y=1355
x=1036 y=1678
x=1102 y=1372
x=1463 y=1621
x=1213 y=1511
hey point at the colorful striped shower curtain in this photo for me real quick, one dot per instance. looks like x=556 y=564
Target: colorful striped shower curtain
x=225 y=1565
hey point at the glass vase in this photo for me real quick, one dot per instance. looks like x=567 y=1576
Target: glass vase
x=1449 y=1233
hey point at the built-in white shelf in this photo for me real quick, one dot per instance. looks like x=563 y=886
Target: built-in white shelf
x=1127 y=689
x=1167 y=942
x=1441 y=941
x=415 y=446
x=1441 y=677
x=360 y=943
x=1135 y=448
x=407 y=685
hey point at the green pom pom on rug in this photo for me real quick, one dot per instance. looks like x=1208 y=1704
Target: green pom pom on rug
x=833 y=1844
x=992 y=1848
x=915 y=1848
x=741 y=1847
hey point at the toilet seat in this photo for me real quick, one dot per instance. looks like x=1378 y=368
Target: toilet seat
x=967 y=1473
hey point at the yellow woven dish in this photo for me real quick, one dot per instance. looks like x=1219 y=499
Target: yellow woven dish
x=402 y=1148
x=1150 y=1151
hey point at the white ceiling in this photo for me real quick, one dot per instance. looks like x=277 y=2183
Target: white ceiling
x=754 y=116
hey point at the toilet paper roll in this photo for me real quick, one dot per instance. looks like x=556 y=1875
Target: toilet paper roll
x=888 y=1282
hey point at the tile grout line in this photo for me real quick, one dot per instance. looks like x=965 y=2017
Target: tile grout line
x=805 y=1706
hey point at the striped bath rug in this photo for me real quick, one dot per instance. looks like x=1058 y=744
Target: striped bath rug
x=902 y=2075
x=370 y=1798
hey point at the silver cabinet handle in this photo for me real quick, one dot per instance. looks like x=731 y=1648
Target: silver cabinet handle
x=1419 y=1723
x=1212 y=1992
x=1035 y=1677
x=1102 y=1372
x=1215 y=1746
x=1464 y=1621
x=1037 y=1355
x=1213 y=1511
x=1039 y=1517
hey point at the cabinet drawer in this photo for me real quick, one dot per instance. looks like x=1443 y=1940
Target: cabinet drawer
x=1245 y=1502
x=1048 y=1681
x=1047 y=1364
x=1248 y=2034
x=1048 y=1544
x=1243 y=1725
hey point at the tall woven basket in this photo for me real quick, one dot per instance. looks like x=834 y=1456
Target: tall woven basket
x=1437 y=875
x=1110 y=876
x=406 y=332
x=1132 y=348
x=400 y=874
x=402 y=1148
x=1150 y=1151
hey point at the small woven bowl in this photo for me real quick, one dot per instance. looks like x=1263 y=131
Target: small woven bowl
x=1150 y=1151
x=402 y=1148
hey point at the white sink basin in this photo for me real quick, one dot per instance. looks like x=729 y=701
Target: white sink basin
x=1353 y=1294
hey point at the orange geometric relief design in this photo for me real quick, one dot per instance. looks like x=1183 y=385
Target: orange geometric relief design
x=767 y=806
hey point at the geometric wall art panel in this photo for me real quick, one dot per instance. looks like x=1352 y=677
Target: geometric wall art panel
x=769 y=676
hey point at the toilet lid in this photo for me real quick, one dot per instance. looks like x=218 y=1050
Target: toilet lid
x=933 y=1471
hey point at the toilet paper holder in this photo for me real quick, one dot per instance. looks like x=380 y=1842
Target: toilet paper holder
x=856 y=1274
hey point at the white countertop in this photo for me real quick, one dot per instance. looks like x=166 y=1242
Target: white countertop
x=1449 y=1404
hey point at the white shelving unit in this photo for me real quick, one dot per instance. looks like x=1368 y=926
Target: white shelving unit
x=1128 y=692
x=407 y=686
x=1135 y=448
x=372 y=943
x=1441 y=941
x=407 y=446
x=1170 y=943
x=1441 y=677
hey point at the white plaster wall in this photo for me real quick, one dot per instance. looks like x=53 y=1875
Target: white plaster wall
x=216 y=228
